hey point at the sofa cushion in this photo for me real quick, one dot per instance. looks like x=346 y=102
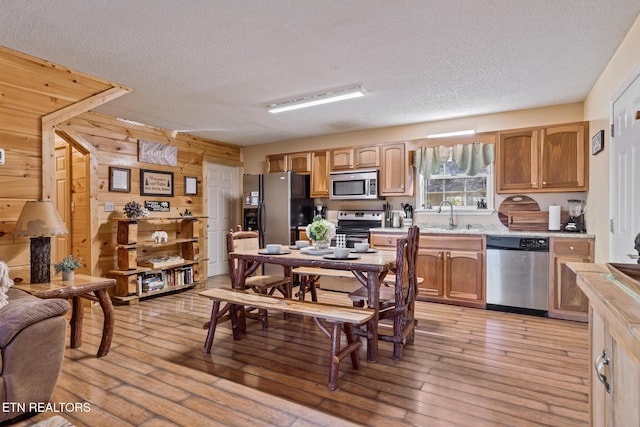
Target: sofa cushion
x=24 y=310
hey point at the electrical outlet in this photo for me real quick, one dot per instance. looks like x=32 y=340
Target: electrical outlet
x=109 y=206
x=1 y=156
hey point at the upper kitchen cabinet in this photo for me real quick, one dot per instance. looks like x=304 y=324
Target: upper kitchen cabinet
x=396 y=172
x=319 y=174
x=551 y=159
x=341 y=159
x=277 y=163
x=294 y=162
x=300 y=163
x=355 y=158
x=367 y=157
x=564 y=158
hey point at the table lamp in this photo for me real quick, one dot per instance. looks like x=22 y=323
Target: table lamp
x=40 y=220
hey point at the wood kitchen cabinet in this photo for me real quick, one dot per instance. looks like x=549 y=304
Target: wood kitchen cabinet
x=355 y=158
x=300 y=163
x=367 y=157
x=319 y=174
x=452 y=266
x=341 y=159
x=277 y=163
x=614 y=362
x=294 y=162
x=396 y=171
x=566 y=300
x=550 y=159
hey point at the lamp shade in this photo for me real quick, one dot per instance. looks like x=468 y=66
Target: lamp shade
x=39 y=219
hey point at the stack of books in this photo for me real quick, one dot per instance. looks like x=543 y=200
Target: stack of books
x=152 y=283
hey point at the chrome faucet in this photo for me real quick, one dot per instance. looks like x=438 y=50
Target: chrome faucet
x=446 y=202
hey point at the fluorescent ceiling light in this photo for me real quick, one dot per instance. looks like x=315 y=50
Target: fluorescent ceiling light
x=456 y=133
x=311 y=101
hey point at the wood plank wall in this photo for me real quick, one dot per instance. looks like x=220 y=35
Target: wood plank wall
x=115 y=143
x=31 y=88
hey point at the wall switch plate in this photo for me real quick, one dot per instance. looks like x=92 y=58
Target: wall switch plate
x=1 y=156
x=109 y=206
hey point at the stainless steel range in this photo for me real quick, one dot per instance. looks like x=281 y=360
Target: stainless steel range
x=355 y=225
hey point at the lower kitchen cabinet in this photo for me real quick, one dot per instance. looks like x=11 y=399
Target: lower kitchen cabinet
x=614 y=362
x=566 y=300
x=452 y=266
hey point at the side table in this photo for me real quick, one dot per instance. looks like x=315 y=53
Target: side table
x=80 y=287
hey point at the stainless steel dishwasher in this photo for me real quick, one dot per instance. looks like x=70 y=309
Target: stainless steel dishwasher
x=518 y=274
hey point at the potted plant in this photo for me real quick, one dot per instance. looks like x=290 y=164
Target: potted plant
x=67 y=267
x=321 y=231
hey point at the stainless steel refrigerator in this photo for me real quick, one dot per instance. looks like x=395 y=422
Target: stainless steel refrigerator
x=276 y=204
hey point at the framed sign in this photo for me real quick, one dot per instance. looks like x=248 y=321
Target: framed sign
x=597 y=142
x=159 y=154
x=119 y=179
x=190 y=185
x=156 y=183
x=157 y=206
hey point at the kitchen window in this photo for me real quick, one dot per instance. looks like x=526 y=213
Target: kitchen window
x=449 y=181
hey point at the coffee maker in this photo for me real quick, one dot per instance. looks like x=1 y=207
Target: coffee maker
x=576 y=216
x=321 y=210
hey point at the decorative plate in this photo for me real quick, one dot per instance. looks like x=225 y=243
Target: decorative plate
x=282 y=252
x=342 y=259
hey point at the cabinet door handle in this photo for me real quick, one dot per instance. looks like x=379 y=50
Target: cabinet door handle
x=600 y=363
x=544 y=182
x=571 y=247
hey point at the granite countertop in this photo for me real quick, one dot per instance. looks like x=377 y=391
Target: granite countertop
x=482 y=229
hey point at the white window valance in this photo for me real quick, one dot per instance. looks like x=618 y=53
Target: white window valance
x=471 y=158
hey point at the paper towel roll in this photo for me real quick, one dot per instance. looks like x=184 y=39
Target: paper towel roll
x=554 y=217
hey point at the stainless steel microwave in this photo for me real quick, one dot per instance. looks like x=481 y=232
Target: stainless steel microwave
x=353 y=185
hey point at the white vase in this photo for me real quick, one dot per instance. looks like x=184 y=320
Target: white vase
x=68 y=275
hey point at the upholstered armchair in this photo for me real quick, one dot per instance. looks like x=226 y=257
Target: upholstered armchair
x=32 y=343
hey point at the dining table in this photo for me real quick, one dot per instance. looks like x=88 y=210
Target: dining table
x=369 y=268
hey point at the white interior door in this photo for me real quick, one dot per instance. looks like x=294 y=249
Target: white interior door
x=625 y=173
x=223 y=198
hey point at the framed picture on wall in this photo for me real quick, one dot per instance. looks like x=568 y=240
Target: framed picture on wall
x=156 y=183
x=597 y=142
x=190 y=185
x=119 y=179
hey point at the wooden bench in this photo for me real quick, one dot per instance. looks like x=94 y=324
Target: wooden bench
x=342 y=318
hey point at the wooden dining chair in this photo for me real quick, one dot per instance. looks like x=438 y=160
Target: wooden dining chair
x=238 y=240
x=397 y=298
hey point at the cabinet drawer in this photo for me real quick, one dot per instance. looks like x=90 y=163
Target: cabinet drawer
x=572 y=247
x=448 y=242
x=381 y=240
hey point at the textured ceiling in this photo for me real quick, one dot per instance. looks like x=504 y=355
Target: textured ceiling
x=212 y=66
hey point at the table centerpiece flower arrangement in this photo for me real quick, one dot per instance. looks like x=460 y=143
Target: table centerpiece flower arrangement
x=321 y=231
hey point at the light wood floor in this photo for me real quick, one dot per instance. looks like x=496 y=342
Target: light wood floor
x=468 y=367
